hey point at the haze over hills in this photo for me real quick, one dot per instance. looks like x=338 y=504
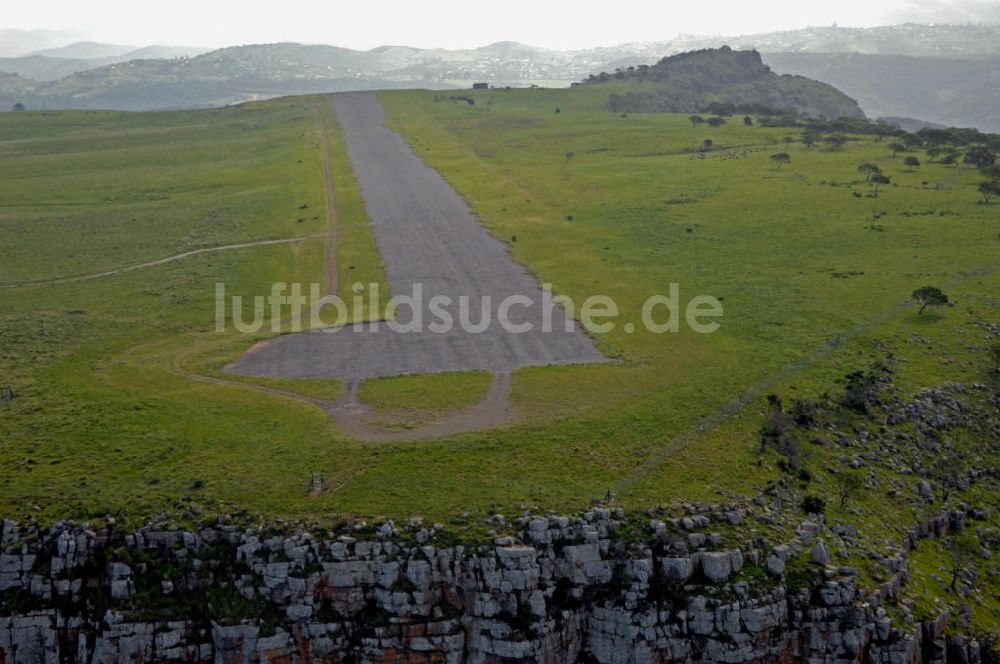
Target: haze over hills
x=49 y=65
x=21 y=42
x=85 y=50
x=947 y=76
x=937 y=90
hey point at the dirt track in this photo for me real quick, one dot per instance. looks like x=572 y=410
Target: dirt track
x=162 y=261
x=426 y=235
x=353 y=417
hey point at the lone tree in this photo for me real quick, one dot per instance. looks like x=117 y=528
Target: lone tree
x=696 y=120
x=707 y=144
x=929 y=296
x=716 y=122
x=878 y=180
x=849 y=485
x=18 y=107
x=780 y=159
x=911 y=163
x=896 y=148
x=569 y=155
x=989 y=189
x=869 y=170
x=962 y=549
x=747 y=121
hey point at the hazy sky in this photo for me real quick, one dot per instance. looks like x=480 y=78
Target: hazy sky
x=464 y=23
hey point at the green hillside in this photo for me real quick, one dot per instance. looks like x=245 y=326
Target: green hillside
x=692 y=82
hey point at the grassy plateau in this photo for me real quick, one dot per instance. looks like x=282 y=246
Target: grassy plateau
x=812 y=269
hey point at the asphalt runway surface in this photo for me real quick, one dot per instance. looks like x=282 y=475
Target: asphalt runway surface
x=426 y=235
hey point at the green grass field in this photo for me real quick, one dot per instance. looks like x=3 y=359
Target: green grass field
x=107 y=419
x=796 y=258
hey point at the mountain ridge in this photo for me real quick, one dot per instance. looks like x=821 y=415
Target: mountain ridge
x=239 y=73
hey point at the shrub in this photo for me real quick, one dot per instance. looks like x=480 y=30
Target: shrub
x=813 y=505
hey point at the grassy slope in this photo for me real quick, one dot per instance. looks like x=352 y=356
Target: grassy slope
x=793 y=259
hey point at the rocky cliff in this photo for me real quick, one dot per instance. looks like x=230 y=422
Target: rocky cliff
x=561 y=590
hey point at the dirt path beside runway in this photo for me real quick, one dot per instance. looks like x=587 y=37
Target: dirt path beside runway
x=161 y=261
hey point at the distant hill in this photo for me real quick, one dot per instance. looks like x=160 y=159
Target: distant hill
x=19 y=88
x=251 y=72
x=85 y=50
x=162 y=51
x=241 y=73
x=962 y=93
x=43 y=68
x=151 y=78
x=937 y=41
x=692 y=82
x=50 y=68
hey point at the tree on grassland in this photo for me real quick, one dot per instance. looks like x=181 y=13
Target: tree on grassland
x=929 y=296
x=849 y=485
x=869 y=170
x=878 y=180
x=780 y=159
x=988 y=190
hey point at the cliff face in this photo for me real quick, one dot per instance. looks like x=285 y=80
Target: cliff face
x=560 y=592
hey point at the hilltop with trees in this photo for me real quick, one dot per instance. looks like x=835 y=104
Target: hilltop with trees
x=735 y=80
